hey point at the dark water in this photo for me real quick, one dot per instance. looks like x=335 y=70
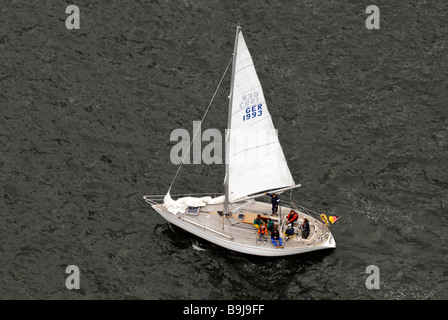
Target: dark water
x=85 y=124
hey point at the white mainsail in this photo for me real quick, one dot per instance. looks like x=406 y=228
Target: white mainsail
x=255 y=157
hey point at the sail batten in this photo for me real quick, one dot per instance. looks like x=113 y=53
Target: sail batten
x=255 y=157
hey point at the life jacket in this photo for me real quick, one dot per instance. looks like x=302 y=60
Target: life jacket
x=262 y=229
x=292 y=216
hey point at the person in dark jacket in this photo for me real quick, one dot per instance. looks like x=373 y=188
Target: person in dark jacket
x=275 y=236
x=305 y=228
x=275 y=200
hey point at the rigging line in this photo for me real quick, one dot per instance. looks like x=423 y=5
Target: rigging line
x=202 y=120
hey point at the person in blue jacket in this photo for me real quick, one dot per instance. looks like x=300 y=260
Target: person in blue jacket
x=289 y=233
x=275 y=202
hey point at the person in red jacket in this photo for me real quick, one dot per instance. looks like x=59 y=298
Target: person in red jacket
x=292 y=217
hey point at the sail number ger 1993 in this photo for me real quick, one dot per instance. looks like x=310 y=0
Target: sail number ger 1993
x=252 y=112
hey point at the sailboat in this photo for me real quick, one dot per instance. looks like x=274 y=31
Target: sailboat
x=255 y=167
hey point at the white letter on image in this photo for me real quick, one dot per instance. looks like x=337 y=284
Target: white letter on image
x=72 y=21
x=373 y=281
x=72 y=281
x=373 y=21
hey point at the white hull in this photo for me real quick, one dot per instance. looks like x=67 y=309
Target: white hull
x=258 y=250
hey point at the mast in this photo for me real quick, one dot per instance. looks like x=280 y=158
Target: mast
x=229 y=123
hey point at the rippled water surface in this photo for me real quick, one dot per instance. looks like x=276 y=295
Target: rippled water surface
x=85 y=124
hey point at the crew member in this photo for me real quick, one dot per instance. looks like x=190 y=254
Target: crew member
x=289 y=232
x=262 y=231
x=275 y=202
x=305 y=228
x=292 y=217
x=270 y=225
x=258 y=222
x=275 y=236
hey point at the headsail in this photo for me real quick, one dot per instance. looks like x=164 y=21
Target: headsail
x=255 y=157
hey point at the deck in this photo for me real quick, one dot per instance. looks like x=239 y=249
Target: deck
x=239 y=226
